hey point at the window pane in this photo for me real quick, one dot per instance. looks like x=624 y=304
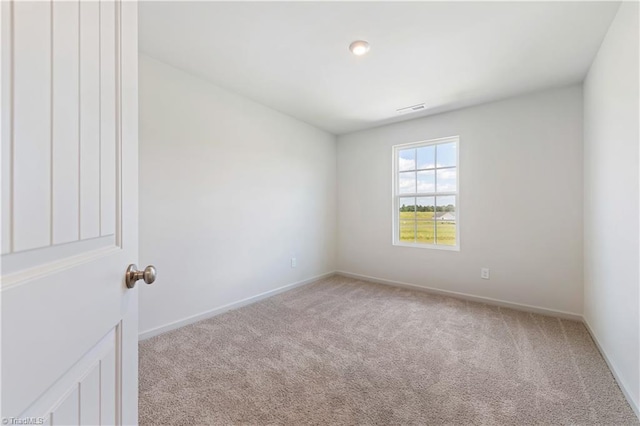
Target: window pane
x=427 y=157
x=425 y=205
x=446 y=220
x=426 y=181
x=407 y=183
x=425 y=225
x=407 y=231
x=407 y=160
x=407 y=206
x=446 y=154
x=446 y=203
x=407 y=215
x=447 y=180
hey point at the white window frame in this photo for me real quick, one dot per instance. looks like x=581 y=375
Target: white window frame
x=395 y=194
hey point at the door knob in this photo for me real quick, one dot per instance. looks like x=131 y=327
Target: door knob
x=132 y=275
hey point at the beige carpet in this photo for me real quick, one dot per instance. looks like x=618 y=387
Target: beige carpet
x=342 y=351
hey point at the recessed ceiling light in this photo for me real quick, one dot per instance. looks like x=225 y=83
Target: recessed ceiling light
x=359 y=47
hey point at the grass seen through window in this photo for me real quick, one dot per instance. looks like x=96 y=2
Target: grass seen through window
x=420 y=227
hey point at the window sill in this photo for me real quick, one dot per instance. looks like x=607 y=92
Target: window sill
x=427 y=246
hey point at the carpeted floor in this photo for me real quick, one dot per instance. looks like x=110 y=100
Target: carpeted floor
x=342 y=351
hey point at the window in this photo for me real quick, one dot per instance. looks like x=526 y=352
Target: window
x=425 y=194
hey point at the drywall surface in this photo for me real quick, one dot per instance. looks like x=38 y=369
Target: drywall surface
x=520 y=205
x=611 y=192
x=230 y=191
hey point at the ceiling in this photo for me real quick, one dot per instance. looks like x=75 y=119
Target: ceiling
x=294 y=56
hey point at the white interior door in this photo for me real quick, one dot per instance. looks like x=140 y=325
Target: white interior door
x=69 y=211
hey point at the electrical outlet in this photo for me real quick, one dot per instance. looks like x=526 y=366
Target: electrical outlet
x=294 y=262
x=484 y=273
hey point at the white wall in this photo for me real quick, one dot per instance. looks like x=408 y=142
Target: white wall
x=611 y=193
x=520 y=202
x=229 y=189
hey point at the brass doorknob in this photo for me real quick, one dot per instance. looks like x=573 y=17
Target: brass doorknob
x=132 y=275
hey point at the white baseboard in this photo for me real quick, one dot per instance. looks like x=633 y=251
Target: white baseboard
x=614 y=371
x=465 y=296
x=221 y=309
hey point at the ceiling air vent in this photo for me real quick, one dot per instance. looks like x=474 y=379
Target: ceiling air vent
x=412 y=108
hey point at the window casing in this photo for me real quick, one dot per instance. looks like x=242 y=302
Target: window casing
x=426 y=209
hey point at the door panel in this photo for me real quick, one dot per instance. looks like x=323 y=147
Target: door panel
x=87 y=393
x=31 y=125
x=90 y=120
x=65 y=173
x=65 y=121
x=90 y=390
x=6 y=125
x=108 y=122
x=69 y=211
x=68 y=412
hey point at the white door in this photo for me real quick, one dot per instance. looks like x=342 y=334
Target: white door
x=69 y=212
